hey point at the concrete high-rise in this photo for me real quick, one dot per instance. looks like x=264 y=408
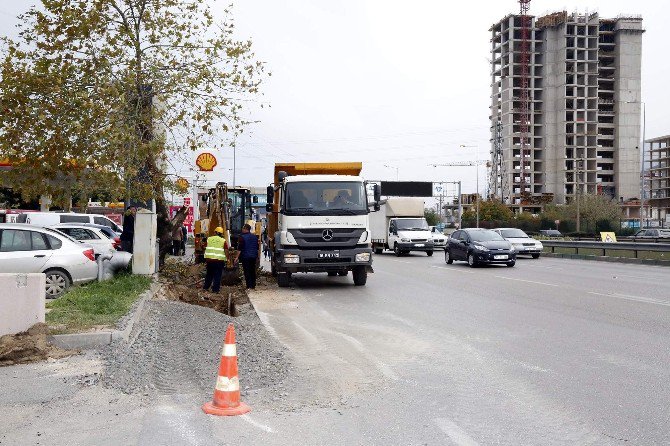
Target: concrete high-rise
x=581 y=77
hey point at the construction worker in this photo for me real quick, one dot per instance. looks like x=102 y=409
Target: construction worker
x=247 y=246
x=215 y=256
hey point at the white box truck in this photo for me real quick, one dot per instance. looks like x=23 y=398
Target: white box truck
x=400 y=226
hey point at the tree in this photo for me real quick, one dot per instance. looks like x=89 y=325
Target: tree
x=147 y=78
x=431 y=217
x=596 y=212
x=489 y=210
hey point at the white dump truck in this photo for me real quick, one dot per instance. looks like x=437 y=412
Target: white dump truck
x=400 y=226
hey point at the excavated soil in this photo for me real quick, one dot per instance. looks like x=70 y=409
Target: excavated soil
x=182 y=281
x=29 y=346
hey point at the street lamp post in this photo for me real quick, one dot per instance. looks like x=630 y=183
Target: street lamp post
x=477 y=182
x=396 y=170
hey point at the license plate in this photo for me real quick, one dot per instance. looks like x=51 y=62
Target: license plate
x=500 y=257
x=329 y=255
x=419 y=245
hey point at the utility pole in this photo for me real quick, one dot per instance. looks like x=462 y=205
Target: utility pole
x=460 y=207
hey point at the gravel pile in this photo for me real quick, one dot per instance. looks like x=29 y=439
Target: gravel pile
x=179 y=348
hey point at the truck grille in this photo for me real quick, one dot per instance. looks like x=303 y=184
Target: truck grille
x=309 y=238
x=337 y=260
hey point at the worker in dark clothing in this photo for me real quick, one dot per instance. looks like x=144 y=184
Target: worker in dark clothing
x=128 y=234
x=184 y=237
x=247 y=251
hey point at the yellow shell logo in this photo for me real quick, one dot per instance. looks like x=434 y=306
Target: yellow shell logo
x=206 y=162
x=182 y=183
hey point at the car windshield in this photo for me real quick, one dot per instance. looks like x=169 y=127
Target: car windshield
x=513 y=233
x=484 y=236
x=325 y=198
x=412 y=224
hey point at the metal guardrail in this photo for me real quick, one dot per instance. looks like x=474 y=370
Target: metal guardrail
x=630 y=238
x=636 y=247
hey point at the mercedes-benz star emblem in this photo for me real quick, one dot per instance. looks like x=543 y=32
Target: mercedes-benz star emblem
x=327 y=234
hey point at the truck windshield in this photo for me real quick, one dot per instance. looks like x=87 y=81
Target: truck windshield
x=412 y=224
x=325 y=198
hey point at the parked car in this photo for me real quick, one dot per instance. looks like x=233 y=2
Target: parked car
x=48 y=219
x=653 y=233
x=522 y=242
x=90 y=234
x=550 y=233
x=439 y=239
x=478 y=246
x=33 y=249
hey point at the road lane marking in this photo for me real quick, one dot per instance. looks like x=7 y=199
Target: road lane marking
x=358 y=345
x=527 y=281
x=308 y=335
x=457 y=435
x=462 y=270
x=647 y=300
x=256 y=424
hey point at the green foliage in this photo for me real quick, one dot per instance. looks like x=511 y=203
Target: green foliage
x=99 y=303
x=489 y=210
x=431 y=217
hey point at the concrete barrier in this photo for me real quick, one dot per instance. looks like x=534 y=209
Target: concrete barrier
x=21 y=301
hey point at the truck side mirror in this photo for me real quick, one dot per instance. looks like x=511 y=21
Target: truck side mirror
x=281 y=176
x=271 y=194
x=378 y=195
x=255 y=199
x=268 y=207
x=377 y=207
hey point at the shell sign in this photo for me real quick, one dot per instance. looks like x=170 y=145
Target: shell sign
x=206 y=162
x=182 y=183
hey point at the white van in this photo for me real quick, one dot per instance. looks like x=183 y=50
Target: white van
x=48 y=219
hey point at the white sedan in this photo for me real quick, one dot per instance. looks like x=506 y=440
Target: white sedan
x=439 y=239
x=521 y=241
x=33 y=249
x=89 y=235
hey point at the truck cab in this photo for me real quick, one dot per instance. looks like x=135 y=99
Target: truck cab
x=319 y=223
x=400 y=226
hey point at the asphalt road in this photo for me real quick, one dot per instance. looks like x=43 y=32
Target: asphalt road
x=552 y=351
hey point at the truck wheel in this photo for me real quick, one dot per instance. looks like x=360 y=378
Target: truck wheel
x=379 y=250
x=429 y=253
x=283 y=280
x=332 y=273
x=397 y=250
x=342 y=273
x=360 y=276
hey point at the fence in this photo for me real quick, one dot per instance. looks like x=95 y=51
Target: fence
x=601 y=248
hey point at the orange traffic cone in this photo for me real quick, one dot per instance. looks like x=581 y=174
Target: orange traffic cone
x=227 y=390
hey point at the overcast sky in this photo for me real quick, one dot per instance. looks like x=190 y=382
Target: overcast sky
x=390 y=82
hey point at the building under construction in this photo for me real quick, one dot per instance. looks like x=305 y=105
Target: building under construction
x=565 y=109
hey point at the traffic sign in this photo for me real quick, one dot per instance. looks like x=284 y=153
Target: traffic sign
x=439 y=189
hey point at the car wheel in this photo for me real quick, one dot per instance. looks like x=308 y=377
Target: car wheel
x=447 y=257
x=511 y=264
x=536 y=256
x=283 y=280
x=360 y=276
x=342 y=273
x=57 y=283
x=332 y=273
x=471 y=261
x=396 y=250
x=429 y=253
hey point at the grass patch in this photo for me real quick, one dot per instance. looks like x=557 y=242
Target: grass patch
x=95 y=304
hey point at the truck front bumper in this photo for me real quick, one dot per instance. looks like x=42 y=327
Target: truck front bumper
x=301 y=260
x=426 y=247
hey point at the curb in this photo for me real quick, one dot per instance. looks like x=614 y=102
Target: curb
x=92 y=340
x=632 y=261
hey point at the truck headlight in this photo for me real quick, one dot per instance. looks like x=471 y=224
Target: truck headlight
x=405 y=240
x=291 y=258
x=363 y=257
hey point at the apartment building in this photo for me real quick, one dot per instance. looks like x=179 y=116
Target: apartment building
x=565 y=108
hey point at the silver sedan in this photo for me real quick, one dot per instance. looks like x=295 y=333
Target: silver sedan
x=33 y=249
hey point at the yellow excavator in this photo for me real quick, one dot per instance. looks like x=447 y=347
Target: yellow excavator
x=229 y=208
